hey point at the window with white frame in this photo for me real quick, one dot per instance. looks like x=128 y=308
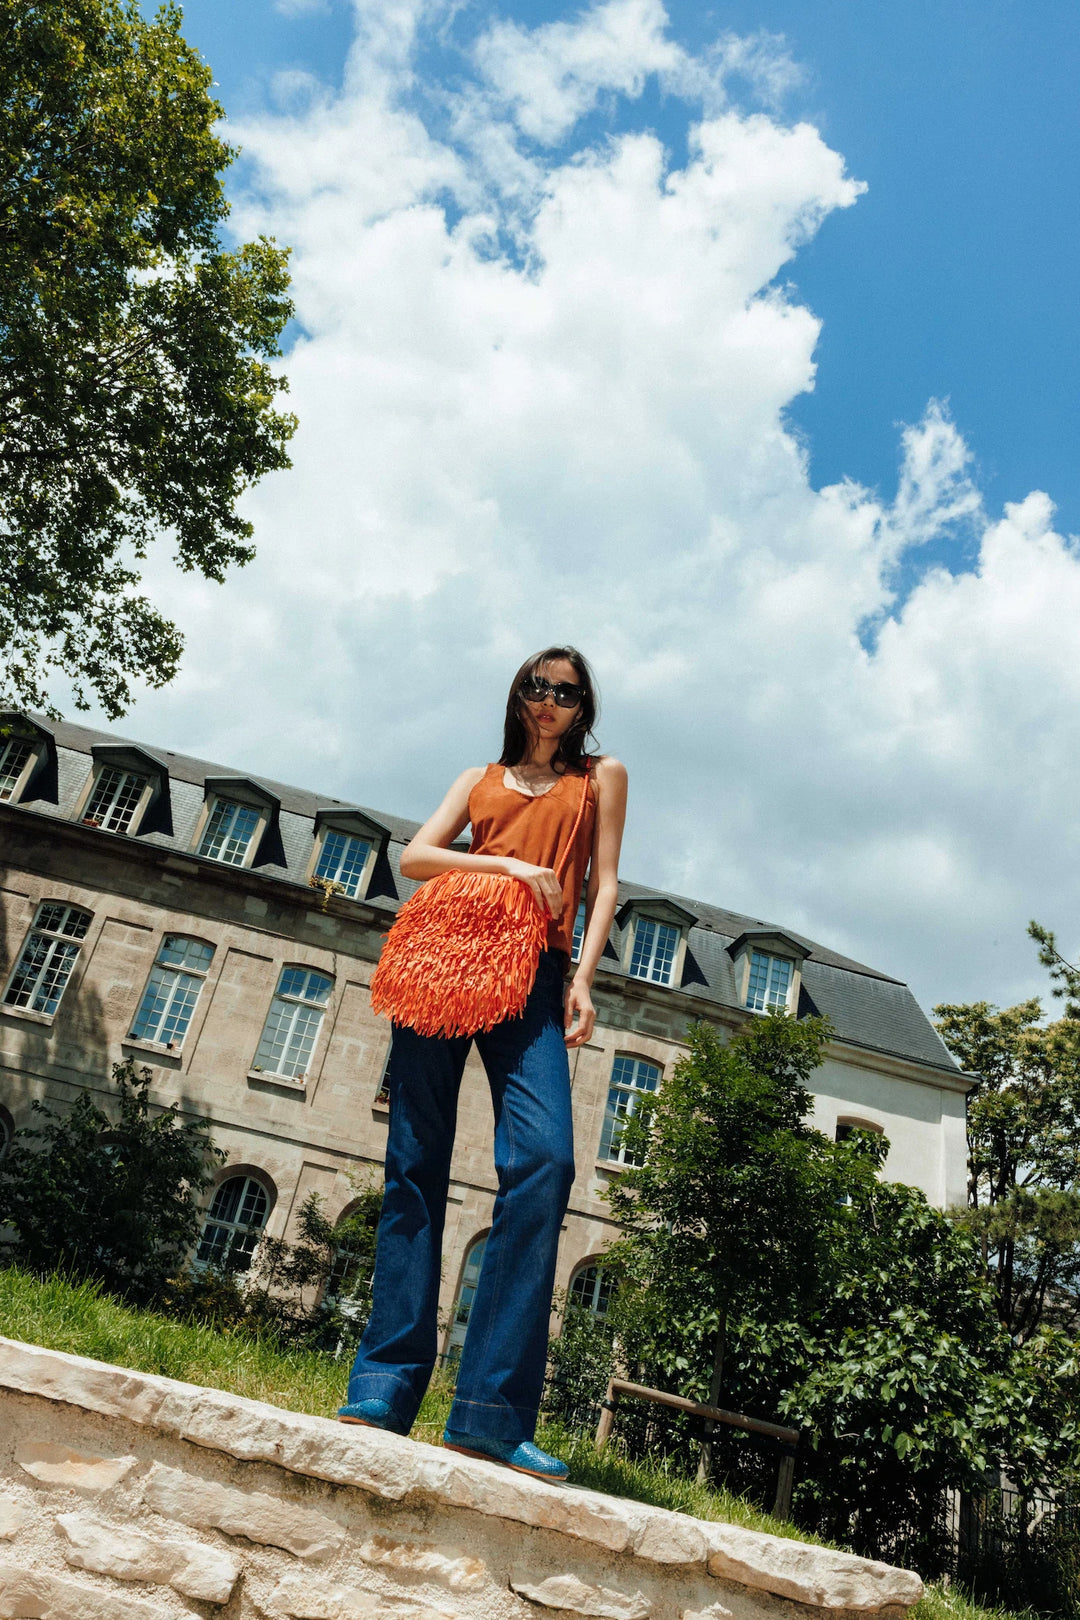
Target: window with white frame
x=343 y=859
x=632 y=1080
x=579 y=934
x=172 y=990
x=351 y=1271
x=470 y=1277
x=233 y=1225
x=382 y=1096
x=655 y=945
x=48 y=957
x=15 y=755
x=229 y=832
x=591 y=1288
x=768 y=985
x=293 y=1022
x=114 y=799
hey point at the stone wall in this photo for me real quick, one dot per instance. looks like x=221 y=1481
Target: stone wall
x=125 y=1496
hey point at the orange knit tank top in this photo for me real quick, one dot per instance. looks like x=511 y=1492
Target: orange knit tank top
x=535 y=829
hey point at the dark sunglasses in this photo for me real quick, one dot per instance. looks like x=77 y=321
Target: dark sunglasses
x=534 y=689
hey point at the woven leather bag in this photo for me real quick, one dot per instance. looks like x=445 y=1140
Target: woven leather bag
x=463 y=950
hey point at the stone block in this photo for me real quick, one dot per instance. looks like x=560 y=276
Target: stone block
x=30 y=1594
x=816 y=1576
x=299 y=1598
x=671 y=1538
x=93 y=1385
x=270 y=1520
x=468 y=1482
x=571 y=1593
x=715 y=1611
x=59 y=1465
x=452 y=1569
x=207 y=1574
x=13 y=1515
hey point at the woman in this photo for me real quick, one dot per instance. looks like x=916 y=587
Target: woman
x=522 y=810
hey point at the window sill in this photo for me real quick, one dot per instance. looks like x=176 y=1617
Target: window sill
x=609 y=1167
x=290 y=1082
x=28 y=1016
x=161 y=1050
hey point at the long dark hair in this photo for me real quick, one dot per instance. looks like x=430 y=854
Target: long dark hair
x=572 y=752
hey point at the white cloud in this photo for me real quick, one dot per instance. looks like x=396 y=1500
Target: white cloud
x=301 y=8
x=544 y=397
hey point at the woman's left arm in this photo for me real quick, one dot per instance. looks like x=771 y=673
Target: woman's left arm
x=601 y=897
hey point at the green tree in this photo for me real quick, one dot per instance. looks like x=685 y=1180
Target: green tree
x=113 y=1196
x=311 y=1291
x=1023 y=1135
x=135 y=395
x=854 y=1311
x=730 y=1185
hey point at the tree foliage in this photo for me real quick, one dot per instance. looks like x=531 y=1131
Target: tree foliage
x=111 y=1196
x=1023 y=1133
x=313 y=1292
x=135 y=394
x=855 y=1312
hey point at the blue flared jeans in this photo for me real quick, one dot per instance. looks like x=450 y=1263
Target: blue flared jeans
x=501 y=1373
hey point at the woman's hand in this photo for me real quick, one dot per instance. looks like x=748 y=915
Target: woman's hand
x=545 y=886
x=578 y=1002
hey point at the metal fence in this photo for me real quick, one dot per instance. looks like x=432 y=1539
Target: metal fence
x=1019 y=1551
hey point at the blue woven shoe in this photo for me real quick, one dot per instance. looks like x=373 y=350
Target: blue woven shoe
x=371 y=1414
x=524 y=1457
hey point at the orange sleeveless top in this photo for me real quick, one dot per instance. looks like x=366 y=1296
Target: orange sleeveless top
x=506 y=822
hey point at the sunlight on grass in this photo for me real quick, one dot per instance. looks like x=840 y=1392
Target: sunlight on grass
x=77 y=1318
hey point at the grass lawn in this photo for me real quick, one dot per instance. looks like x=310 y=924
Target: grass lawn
x=75 y=1317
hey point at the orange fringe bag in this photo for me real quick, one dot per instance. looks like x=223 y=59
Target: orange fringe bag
x=463 y=951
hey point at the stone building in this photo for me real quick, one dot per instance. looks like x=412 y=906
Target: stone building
x=223 y=929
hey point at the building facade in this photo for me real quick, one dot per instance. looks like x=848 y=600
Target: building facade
x=223 y=929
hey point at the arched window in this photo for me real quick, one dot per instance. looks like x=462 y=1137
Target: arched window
x=590 y=1289
x=293 y=1023
x=233 y=1224
x=470 y=1276
x=353 y=1259
x=47 y=958
x=631 y=1079
x=172 y=990
x=848 y=1123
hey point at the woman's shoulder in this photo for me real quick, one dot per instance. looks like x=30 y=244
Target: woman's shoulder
x=606 y=768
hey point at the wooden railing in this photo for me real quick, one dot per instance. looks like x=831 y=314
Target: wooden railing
x=782 y=1439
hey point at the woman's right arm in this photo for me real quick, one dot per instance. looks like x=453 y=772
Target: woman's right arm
x=428 y=854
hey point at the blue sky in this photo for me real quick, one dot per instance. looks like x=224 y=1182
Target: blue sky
x=736 y=345
x=956 y=275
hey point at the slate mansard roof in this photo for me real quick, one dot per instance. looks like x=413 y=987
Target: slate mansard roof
x=867 y=1008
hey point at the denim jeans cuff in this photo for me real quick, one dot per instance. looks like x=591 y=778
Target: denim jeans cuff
x=485 y=1420
x=383 y=1386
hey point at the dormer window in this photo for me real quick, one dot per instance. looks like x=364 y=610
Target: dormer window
x=229 y=832
x=347 y=845
x=15 y=756
x=237 y=814
x=768 y=970
x=125 y=782
x=342 y=860
x=116 y=796
x=654 y=941
x=655 y=944
x=769 y=984
x=23 y=747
